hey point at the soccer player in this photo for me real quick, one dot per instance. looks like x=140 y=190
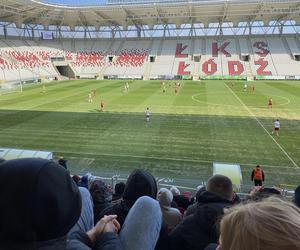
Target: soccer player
x=245 y=87
x=101 y=105
x=94 y=93
x=253 y=88
x=276 y=127
x=270 y=103
x=90 y=98
x=147 y=114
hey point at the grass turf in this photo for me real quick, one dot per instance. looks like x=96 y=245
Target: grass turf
x=207 y=121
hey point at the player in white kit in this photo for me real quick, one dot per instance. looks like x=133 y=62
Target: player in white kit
x=276 y=127
x=147 y=114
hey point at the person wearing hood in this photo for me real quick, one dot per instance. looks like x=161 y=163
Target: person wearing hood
x=192 y=208
x=297 y=196
x=171 y=216
x=140 y=183
x=41 y=204
x=119 y=190
x=101 y=196
x=198 y=230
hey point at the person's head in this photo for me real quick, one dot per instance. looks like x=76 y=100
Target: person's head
x=62 y=161
x=100 y=192
x=257 y=166
x=40 y=202
x=297 y=196
x=165 y=197
x=272 y=224
x=175 y=191
x=220 y=185
x=76 y=178
x=119 y=188
x=139 y=183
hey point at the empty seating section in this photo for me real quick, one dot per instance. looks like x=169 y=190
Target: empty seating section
x=265 y=55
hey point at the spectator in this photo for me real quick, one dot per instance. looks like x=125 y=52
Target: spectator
x=171 y=216
x=42 y=204
x=119 y=190
x=63 y=162
x=270 y=224
x=258 y=176
x=140 y=183
x=2 y=160
x=259 y=193
x=181 y=201
x=192 y=208
x=101 y=198
x=84 y=182
x=297 y=196
x=199 y=229
x=76 y=178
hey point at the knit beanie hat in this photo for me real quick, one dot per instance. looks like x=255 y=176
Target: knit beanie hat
x=40 y=201
x=175 y=191
x=164 y=197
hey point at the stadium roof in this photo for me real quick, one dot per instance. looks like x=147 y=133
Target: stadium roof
x=151 y=13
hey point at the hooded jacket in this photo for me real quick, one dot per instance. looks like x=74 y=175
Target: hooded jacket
x=198 y=230
x=140 y=183
x=41 y=203
x=101 y=198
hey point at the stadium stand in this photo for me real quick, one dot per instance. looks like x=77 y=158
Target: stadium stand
x=268 y=56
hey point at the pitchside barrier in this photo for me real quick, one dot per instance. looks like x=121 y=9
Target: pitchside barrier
x=12 y=153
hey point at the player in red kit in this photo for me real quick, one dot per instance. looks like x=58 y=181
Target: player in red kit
x=101 y=105
x=270 y=104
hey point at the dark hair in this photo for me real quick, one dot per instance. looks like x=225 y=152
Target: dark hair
x=221 y=185
x=297 y=196
x=119 y=188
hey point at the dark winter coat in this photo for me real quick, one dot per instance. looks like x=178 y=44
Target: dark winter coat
x=198 y=230
x=102 y=196
x=140 y=183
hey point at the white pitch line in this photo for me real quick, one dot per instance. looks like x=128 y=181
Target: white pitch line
x=258 y=121
x=165 y=158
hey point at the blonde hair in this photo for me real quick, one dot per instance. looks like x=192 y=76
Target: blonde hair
x=271 y=224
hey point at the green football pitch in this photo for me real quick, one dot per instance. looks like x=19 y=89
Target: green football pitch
x=208 y=121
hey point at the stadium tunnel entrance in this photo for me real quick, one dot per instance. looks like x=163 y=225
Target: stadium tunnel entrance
x=65 y=70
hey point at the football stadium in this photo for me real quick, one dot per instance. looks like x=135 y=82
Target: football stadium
x=180 y=90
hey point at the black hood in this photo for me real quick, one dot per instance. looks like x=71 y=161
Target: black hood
x=39 y=201
x=140 y=183
x=208 y=197
x=100 y=192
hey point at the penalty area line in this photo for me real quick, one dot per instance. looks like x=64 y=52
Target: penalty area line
x=258 y=121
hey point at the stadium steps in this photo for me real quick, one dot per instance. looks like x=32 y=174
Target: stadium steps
x=297 y=42
x=203 y=55
x=286 y=46
x=148 y=67
x=271 y=56
x=102 y=71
